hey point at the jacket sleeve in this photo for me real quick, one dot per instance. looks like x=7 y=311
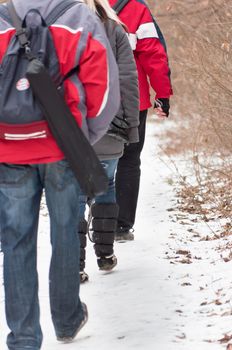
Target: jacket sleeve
x=128 y=78
x=152 y=55
x=99 y=76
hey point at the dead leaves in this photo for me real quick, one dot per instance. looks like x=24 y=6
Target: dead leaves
x=225 y=339
x=183 y=252
x=227 y=258
x=181 y=256
x=185 y=261
x=185 y=284
x=181 y=336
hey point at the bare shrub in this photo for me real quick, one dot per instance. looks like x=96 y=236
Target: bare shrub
x=199 y=36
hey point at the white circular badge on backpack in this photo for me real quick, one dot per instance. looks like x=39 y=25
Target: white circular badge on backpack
x=22 y=84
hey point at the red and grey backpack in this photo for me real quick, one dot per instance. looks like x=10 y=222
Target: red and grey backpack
x=21 y=117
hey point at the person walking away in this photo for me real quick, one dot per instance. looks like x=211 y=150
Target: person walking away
x=123 y=130
x=152 y=65
x=33 y=162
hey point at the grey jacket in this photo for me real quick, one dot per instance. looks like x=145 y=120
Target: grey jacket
x=109 y=147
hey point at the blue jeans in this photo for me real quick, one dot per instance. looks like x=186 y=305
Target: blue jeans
x=109 y=196
x=21 y=188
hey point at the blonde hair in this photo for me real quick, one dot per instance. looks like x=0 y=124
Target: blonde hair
x=99 y=6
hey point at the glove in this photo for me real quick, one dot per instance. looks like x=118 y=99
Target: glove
x=118 y=129
x=163 y=103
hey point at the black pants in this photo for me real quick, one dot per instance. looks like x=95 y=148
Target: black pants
x=128 y=178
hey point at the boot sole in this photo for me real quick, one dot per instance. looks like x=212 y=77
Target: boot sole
x=108 y=268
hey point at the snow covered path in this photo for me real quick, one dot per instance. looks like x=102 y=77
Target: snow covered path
x=149 y=302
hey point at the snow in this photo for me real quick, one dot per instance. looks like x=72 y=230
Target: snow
x=151 y=300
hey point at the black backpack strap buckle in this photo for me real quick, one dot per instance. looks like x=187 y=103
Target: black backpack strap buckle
x=22 y=37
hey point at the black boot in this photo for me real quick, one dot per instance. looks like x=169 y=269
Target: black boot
x=83 y=241
x=124 y=234
x=104 y=223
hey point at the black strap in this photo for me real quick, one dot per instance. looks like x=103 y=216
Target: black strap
x=17 y=22
x=59 y=10
x=118 y=6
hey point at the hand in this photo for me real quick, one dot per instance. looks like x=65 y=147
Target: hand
x=161 y=107
x=119 y=129
x=159 y=112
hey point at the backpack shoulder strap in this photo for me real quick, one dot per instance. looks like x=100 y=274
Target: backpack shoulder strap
x=17 y=22
x=118 y=6
x=59 y=10
x=4 y=14
x=160 y=34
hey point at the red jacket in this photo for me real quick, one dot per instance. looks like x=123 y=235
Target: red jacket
x=92 y=95
x=150 y=56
